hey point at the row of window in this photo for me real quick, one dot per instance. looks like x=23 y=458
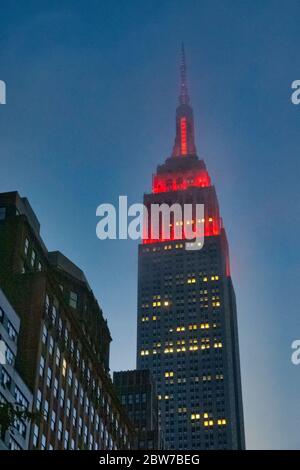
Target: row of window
x=77 y=390
x=130 y=399
x=80 y=363
x=69 y=443
x=73 y=387
x=63 y=330
x=31 y=257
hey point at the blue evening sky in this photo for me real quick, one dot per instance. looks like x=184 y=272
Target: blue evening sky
x=92 y=88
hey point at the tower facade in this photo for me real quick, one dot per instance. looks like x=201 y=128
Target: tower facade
x=187 y=323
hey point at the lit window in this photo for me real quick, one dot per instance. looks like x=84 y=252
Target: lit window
x=64 y=367
x=168 y=350
x=169 y=374
x=180 y=328
x=145 y=352
x=208 y=423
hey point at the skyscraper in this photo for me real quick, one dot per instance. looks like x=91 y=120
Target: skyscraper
x=187 y=324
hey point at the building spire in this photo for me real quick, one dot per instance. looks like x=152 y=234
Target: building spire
x=184 y=96
x=184 y=140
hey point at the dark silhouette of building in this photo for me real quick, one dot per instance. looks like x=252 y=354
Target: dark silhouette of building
x=63 y=353
x=187 y=325
x=138 y=395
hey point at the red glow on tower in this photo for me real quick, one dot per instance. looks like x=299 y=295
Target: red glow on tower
x=183 y=135
x=211 y=227
x=175 y=181
x=183 y=173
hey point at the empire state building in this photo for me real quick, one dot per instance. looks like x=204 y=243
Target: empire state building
x=187 y=332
